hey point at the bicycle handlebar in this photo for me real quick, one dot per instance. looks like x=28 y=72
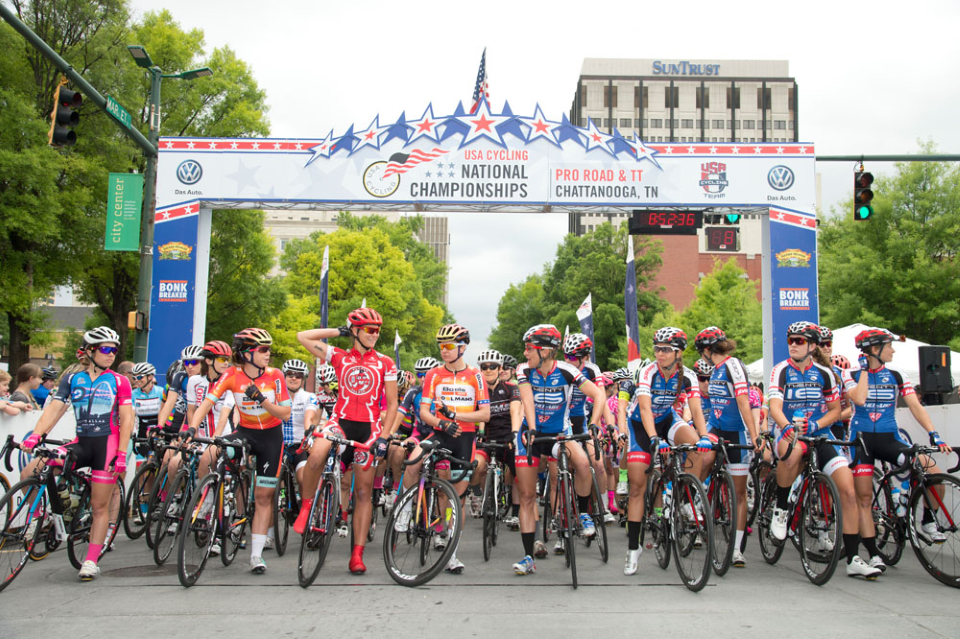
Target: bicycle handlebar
x=428 y=447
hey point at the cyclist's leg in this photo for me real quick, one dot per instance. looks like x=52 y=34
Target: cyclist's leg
x=787 y=468
x=527 y=470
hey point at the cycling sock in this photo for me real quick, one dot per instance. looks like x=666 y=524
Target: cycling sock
x=739 y=540
x=783 y=494
x=528 y=539
x=623 y=474
x=93 y=552
x=870 y=543
x=515 y=510
x=378 y=482
x=611 y=498
x=633 y=535
x=256 y=548
x=583 y=504
x=270 y=532
x=927 y=516
x=852 y=545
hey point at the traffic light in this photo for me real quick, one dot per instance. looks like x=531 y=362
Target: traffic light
x=731 y=218
x=63 y=116
x=862 y=196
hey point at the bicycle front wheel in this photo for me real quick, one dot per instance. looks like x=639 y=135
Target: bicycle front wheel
x=933 y=523
x=410 y=556
x=653 y=522
x=236 y=514
x=692 y=531
x=567 y=519
x=723 y=505
x=136 y=504
x=283 y=509
x=199 y=531
x=78 y=536
x=24 y=511
x=489 y=515
x=886 y=522
x=157 y=493
x=168 y=522
x=321 y=527
x=597 y=512
x=820 y=529
x=770 y=547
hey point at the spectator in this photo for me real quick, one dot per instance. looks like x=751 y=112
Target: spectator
x=28 y=379
x=47 y=378
x=6 y=407
x=126 y=369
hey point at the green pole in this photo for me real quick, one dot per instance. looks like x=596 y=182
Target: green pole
x=145 y=284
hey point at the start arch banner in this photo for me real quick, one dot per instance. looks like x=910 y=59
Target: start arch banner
x=482 y=161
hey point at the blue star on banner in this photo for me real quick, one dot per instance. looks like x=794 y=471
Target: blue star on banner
x=566 y=131
x=345 y=142
x=541 y=128
x=514 y=126
x=452 y=125
x=320 y=149
x=400 y=130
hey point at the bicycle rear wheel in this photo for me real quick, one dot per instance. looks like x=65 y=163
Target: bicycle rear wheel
x=690 y=520
x=723 y=505
x=168 y=522
x=567 y=519
x=546 y=521
x=136 y=504
x=939 y=558
x=157 y=493
x=199 y=531
x=24 y=511
x=890 y=535
x=596 y=513
x=78 y=530
x=321 y=528
x=282 y=510
x=236 y=515
x=770 y=547
x=654 y=522
x=489 y=515
x=410 y=556
x=820 y=529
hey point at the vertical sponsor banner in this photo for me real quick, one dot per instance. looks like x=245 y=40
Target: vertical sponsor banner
x=174 y=284
x=585 y=315
x=124 y=204
x=793 y=269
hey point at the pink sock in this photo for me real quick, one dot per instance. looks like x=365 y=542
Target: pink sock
x=93 y=552
x=611 y=497
x=378 y=482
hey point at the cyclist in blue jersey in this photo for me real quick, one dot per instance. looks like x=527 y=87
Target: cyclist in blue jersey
x=874 y=389
x=173 y=413
x=804 y=400
x=731 y=417
x=824 y=355
x=102 y=406
x=704 y=369
x=546 y=386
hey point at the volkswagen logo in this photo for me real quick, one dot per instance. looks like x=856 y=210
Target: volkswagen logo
x=189 y=172
x=780 y=178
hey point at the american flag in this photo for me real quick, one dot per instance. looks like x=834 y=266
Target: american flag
x=403 y=162
x=482 y=89
x=585 y=315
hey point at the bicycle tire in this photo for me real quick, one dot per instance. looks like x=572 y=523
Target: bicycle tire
x=163 y=539
x=753 y=490
x=723 y=505
x=566 y=511
x=281 y=511
x=597 y=513
x=546 y=521
x=233 y=517
x=199 y=531
x=660 y=539
x=46 y=541
x=940 y=560
x=770 y=547
x=890 y=537
x=153 y=504
x=488 y=512
x=78 y=533
x=15 y=545
x=410 y=556
x=820 y=513
x=321 y=528
x=695 y=573
x=374 y=516
x=137 y=502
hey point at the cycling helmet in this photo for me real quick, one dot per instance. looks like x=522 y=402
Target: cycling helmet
x=490 y=356
x=577 y=345
x=326 y=374
x=144 y=368
x=216 y=349
x=672 y=336
x=621 y=374
x=49 y=373
x=404 y=382
x=509 y=361
x=873 y=337
x=81 y=353
x=250 y=338
x=295 y=366
x=635 y=377
x=808 y=330
x=645 y=362
x=364 y=316
x=607 y=378
x=194 y=351
x=425 y=364
x=542 y=336
x=453 y=333
x=703 y=368
x=840 y=362
x=826 y=335
x=100 y=335
x=708 y=337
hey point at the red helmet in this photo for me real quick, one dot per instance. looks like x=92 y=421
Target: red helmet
x=708 y=337
x=251 y=338
x=577 y=345
x=873 y=337
x=215 y=349
x=840 y=362
x=364 y=317
x=543 y=336
x=671 y=335
x=807 y=330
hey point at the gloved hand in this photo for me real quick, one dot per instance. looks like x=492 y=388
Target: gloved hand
x=120 y=464
x=705 y=445
x=344 y=331
x=30 y=442
x=446 y=411
x=448 y=426
x=254 y=393
x=864 y=362
x=381 y=446
x=935 y=439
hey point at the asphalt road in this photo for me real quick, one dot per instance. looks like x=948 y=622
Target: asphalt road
x=134 y=598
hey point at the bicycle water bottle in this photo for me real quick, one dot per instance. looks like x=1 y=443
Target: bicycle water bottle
x=795 y=489
x=895 y=498
x=904 y=498
x=667 y=499
x=59 y=527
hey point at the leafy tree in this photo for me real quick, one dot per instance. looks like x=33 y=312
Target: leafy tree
x=900 y=269
x=517 y=311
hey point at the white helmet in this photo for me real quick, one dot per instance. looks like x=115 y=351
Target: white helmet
x=194 y=351
x=326 y=374
x=425 y=364
x=101 y=335
x=296 y=366
x=144 y=368
x=490 y=356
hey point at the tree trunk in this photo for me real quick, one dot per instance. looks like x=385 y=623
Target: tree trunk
x=20 y=329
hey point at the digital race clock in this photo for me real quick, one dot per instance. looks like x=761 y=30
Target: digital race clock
x=654 y=222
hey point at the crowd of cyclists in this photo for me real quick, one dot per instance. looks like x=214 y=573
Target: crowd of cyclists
x=231 y=390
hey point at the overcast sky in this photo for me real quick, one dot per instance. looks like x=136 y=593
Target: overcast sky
x=876 y=89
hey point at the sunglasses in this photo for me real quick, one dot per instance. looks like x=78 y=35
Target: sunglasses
x=703 y=378
x=828 y=343
x=489 y=367
x=663 y=349
x=370 y=330
x=293 y=375
x=191 y=362
x=421 y=374
x=262 y=349
x=449 y=346
x=796 y=341
x=108 y=350
x=140 y=376
x=222 y=360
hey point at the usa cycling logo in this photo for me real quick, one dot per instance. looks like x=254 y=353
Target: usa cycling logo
x=780 y=178
x=189 y=172
x=713 y=179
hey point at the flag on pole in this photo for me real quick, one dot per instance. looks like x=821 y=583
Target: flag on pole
x=630 y=307
x=481 y=90
x=396 y=348
x=363 y=304
x=325 y=287
x=585 y=315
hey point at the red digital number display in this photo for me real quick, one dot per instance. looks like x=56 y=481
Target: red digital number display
x=653 y=222
x=670 y=218
x=722 y=238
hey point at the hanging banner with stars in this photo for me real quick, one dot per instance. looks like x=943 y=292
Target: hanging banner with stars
x=793 y=270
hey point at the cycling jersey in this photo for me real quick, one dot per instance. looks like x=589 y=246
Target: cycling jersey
x=197 y=388
x=293 y=428
x=666 y=395
x=502 y=397
x=578 y=400
x=461 y=391
x=325 y=401
x=877 y=415
x=727 y=383
x=362 y=379
x=410 y=410
x=146 y=406
x=96 y=402
x=252 y=414
x=177 y=384
x=551 y=394
x=804 y=392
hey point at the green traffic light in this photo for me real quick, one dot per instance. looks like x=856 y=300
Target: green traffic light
x=864 y=212
x=733 y=218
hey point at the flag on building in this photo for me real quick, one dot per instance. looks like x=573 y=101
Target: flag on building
x=630 y=307
x=585 y=315
x=482 y=88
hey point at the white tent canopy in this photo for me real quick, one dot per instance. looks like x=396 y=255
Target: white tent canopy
x=906 y=356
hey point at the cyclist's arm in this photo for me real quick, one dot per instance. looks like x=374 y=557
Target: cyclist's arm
x=743 y=404
x=276 y=410
x=832 y=414
x=50 y=416
x=776 y=413
x=312 y=340
x=846 y=413
x=222 y=420
x=621 y=415
x=392 y=401
x=919 y=412
x=310 y=419
x=529 y=411
x=200 y=413
x=167 y=408
x=516 y=416
x=127 y=419
x=191 y=408
x=858 y=394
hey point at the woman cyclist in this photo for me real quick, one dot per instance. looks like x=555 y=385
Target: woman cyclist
x=173 y=413
x=102 y=404
x=147 y=397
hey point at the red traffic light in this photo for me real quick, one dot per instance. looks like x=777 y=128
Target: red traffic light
x=863 y=180
x=70 y=99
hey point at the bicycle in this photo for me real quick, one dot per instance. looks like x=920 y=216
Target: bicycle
x=934 y=496
x=410 y=555
x=759 y=469
x=722 y=496
x=495 y=502
x=160 y=480
x=216 y=510
x=288 y=501
x=136 y=506
x=814 y=519
x=680 y=527
x=179 y=491
x=597 y=510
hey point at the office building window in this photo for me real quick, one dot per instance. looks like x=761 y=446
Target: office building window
x=780 y=124
x=791 y=125
x=703 y=97
x=656 y=123
x=610 y=96
x=790 y=99
x=583 y=95
x=748 y=124
x=733 y=98
x=636 y=97
x=718 y=124
x=637 y=123
x=705 y=123
x=676 y=123
x=763 y=98
x=671 y=97
x=686 y=124
x=626 y=122
x=606 y=122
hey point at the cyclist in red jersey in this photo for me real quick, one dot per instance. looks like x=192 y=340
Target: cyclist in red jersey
x=263 y=402
x=364 y=377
